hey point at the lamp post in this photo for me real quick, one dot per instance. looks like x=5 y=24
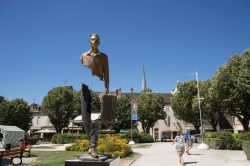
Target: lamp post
x=131 y=142
x=202 y=146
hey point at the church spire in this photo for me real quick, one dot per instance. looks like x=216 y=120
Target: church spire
x=143 y=85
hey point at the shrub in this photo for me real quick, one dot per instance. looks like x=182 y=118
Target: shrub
x=135 y=135
x=244 y=136
x=79 y=145
x=227 y=139
x=236 y=143
x=112 y=145
x=121 y=135
x=63 y=138
x=145 y=138
x=210 y=134
x=246 y=148
x=32 y=141
x=54 y=138
x=214 y=143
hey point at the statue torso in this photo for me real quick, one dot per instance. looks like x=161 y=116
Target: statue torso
x=96 y=62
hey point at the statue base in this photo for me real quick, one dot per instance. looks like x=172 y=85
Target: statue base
x=87 y=160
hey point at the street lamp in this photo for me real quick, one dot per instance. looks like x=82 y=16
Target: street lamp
x=202 y=146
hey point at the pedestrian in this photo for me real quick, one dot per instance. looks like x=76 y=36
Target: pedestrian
x=189 y=142
x=23 y=144
x=180 y=146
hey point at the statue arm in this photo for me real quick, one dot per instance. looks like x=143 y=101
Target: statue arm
x=106 y=74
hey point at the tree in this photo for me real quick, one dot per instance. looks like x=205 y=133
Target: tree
x=123 y=112
x=211 y=109
x=16 y=113
x=150 y=110
x=58 y=106
x=95 y=103
x=185 y=104
x=231 y=87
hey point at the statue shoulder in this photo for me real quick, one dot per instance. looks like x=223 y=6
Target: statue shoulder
x=86 y=53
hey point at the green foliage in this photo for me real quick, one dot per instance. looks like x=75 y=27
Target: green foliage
x=231 y=87
x=145 y=138
x=135 y=133
x=95 y=103
x=150 y=110
x=109 y=145
x=246 y=148
x=214 y=143
x=50 y=158
x=32 y=141
x=58 y=106
x=64 y=138
x=123 y=113
x=244 y=136
x=76 y=104
x=236 y=142
x=79 y=145
x=210 y=134
x=16 y=113
x=121 y=135
x=185 y=104
x=226 y=140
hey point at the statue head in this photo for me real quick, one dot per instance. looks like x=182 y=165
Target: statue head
x=94 y=40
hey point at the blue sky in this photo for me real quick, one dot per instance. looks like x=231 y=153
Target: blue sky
x=41 y=42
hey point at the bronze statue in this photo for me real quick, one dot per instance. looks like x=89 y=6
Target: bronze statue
x=97 y=61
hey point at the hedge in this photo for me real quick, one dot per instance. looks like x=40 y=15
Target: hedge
x=246 y=148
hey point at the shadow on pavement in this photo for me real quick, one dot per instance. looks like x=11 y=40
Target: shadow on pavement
x=192 y=162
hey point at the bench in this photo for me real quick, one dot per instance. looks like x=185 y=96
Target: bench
x=11 y=154
x=28 y=149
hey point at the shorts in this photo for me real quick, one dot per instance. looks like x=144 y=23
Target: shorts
x=180 y=150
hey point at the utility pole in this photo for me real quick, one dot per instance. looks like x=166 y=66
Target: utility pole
x=202 y=146
x=199 y=102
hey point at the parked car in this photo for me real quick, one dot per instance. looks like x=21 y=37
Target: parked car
x=195 y=138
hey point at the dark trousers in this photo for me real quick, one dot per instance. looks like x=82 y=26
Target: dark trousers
x=91 y=127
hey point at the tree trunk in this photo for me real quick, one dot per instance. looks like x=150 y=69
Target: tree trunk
x=214 y=126
x=147 y=130
x=245 y=123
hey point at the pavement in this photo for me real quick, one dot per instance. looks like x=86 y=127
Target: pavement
x=164 y=154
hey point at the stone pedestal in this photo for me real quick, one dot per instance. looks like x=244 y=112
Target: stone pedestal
x=85 y=160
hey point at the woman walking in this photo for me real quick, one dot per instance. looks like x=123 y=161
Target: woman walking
x=189 y=143
x=180 y=146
